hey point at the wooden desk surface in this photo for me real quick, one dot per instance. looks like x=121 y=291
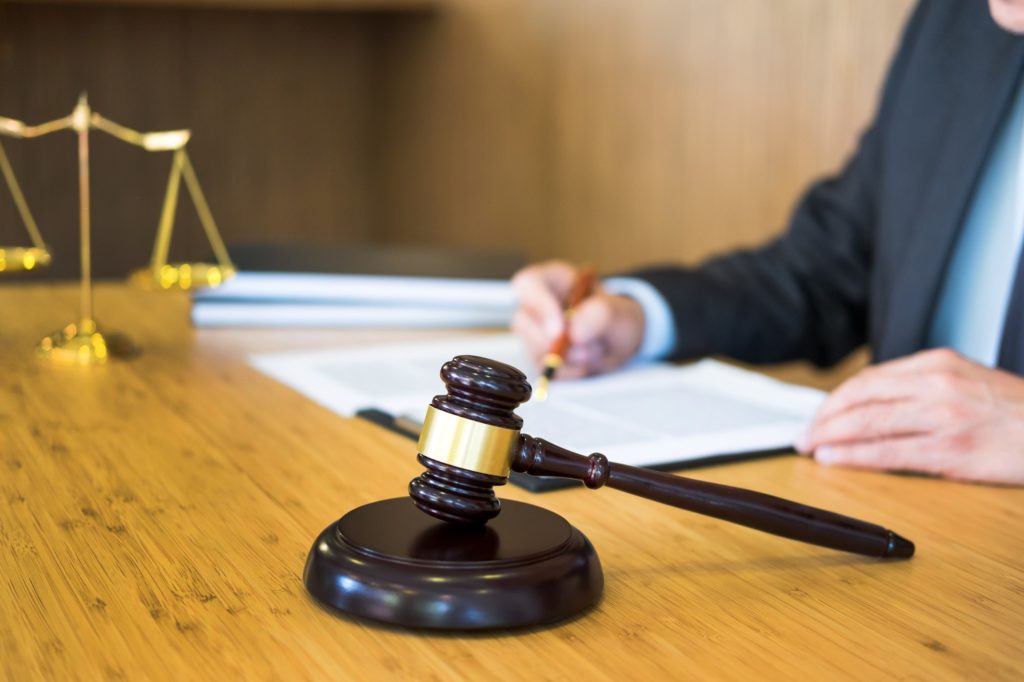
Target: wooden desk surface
x=155 y=517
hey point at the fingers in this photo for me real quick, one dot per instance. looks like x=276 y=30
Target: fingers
x=917 y=375
x=532 y=334
x=935 y=358
x=871 y=422
x=583 y=360
x=591 y=320
x=871 y=385
x=925 y=413
x=915 y=453
x=935 y=455
x=595 y=333
x=605 y=331
x=541 y=290
x=625 y=333
x=884 y=387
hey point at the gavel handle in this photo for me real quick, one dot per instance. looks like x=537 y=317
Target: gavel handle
x=737 y=505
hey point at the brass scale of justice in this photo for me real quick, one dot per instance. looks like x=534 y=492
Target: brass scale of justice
x=82 y=342
x=449 y=555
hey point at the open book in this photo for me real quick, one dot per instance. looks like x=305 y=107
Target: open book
x=654 y=415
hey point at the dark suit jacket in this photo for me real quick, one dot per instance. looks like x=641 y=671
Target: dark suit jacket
x=866 y=250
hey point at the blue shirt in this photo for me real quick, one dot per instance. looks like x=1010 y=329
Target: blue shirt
x=975 y=293
x=972 y=303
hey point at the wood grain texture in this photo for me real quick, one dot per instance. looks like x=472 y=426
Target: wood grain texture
x=277 y=101
x=609 y=132
x=330 y=5
x=620 y=133
x=155 y=516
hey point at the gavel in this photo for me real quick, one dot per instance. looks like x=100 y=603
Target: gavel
x=471 y=440
x=471 y=562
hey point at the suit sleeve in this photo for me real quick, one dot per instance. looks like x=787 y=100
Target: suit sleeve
x=803 y=295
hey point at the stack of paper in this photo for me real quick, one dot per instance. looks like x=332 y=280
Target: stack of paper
x=268 y=299
x=303 y=286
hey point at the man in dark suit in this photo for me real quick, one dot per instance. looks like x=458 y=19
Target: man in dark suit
x=914 y=248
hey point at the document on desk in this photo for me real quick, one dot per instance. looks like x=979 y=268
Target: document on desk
x=656 y=415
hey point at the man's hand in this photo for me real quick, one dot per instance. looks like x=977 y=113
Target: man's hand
x=605 y=330
x=933 y=412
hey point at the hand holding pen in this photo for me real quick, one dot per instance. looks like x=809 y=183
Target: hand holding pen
x=555 y=357
x=604 y=330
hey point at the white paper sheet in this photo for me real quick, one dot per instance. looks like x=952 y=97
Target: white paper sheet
x=288 y=287
x=212 y=313
x=646 y=415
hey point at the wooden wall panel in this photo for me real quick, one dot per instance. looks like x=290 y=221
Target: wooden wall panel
x=603 y=130
x=623 y=132
x=334 y=5
x=277 y=102
x=467 y=125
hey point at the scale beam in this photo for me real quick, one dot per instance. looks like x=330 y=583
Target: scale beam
x=81 y=342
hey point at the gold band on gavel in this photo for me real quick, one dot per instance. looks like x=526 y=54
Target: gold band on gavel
x=466 y=444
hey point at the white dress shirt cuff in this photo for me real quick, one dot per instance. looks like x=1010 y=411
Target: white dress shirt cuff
x=659 y=325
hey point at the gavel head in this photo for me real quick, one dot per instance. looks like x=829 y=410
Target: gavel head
x=468 y=438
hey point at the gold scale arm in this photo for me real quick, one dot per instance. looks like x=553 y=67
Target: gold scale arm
x=14 y=258
x=81 y=342
x=159 y=272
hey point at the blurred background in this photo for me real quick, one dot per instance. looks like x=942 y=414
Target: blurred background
x=611 y=131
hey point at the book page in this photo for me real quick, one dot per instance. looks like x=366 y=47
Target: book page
x=645 y=415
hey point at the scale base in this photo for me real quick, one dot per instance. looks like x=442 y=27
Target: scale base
x=76 y=344
x=390 y=562
x=84 y=345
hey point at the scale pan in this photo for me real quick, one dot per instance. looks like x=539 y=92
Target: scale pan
x=182 y=276
x=23 y=258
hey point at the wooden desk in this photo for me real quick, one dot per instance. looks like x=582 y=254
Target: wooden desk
x=155 y=517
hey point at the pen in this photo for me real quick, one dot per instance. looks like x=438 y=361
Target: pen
x=582 y=287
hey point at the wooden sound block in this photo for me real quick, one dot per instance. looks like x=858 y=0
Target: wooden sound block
x=389 y=561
